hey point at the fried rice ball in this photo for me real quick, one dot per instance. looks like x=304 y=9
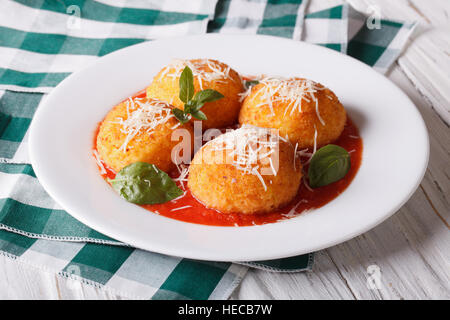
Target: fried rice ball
x=225 y=176
x=139 y=129
x=299 y=108
x=208 y=74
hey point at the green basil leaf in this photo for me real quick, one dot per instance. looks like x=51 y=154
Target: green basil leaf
x=195 y=107
x=180 y=115
x=186 y=85
x=144 y=183
x=250 y=83
x=329 y=164
x=207 y=95
x=189 y=106
x=199 y=115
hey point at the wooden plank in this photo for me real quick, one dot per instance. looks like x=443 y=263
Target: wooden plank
x=426 y=60
x=20 y=280
x=411 y=248
x=427 y=65
x=436 y=183
x=325 y=282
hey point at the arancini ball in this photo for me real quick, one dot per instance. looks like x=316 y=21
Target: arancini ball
x=248 y=170
x=208 y=74
x=305 y=112
x=139 y=129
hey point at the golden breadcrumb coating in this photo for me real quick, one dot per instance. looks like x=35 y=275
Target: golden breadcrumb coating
x=222 y=186
x=326 y=119
x=220 y=113
x=149 y=144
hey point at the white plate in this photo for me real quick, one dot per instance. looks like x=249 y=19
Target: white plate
x=394 y=161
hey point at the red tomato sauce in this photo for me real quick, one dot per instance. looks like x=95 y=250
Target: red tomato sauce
x=189 y=209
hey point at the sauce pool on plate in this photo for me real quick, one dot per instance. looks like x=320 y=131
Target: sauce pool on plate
x=188 y=209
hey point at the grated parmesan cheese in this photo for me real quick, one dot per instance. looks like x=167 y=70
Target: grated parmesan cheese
x=217 y=72
x=183 y=170
x=292 y=90
x=178 y=198
x=293 y=212
x=307 y=185
x=180 y=208
x=99 y=162
x=310 y=155
x=248 y=147
x=143 y=115
x=295 y=156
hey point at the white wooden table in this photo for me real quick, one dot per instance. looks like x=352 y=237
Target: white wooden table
x=407 y=256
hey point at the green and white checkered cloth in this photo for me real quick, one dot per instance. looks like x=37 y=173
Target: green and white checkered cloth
x=282 y=18
x=42 y=42
x=372 y=40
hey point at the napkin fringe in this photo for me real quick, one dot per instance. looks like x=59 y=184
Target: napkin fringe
x=236 y=282
x=12 y=161
x=264 y=267
x=60 y=238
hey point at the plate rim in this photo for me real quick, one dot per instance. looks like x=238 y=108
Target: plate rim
x=83 y=218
